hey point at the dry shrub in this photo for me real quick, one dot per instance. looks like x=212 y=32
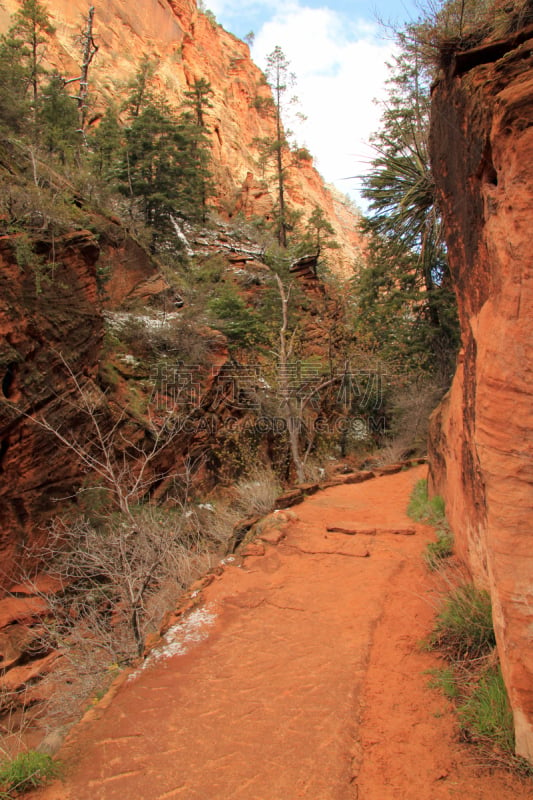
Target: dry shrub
x=410 y=407
x=257 y=492
x=121 y=576
x=16 y=719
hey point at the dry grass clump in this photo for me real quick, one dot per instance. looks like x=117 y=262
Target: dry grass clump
x=257 y=492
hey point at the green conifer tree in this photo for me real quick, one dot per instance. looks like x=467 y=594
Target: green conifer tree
x=32 y=28
x=105 y=144
x=198 y=100
x=274 y=149
x=405 y=292
x=57 y=118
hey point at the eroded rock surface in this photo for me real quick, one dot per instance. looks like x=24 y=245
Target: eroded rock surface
x=481 y=448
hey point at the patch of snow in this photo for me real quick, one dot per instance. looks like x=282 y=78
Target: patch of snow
x=227 y=560
x=129 y=359
x=207 y=506
x=180 y=638
x=181 y=236
x=116 y=319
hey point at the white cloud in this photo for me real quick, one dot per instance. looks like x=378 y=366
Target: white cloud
x=340 y=66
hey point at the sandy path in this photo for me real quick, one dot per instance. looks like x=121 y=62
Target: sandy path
x=308 y=682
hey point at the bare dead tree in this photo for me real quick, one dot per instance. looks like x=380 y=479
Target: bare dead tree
x=294 y=404
x=122 y=465
x=89 y=50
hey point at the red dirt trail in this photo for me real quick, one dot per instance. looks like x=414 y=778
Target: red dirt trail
x=309 y=681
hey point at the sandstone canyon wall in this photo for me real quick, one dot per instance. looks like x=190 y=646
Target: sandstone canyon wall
x=481 y=443
x=188 y=45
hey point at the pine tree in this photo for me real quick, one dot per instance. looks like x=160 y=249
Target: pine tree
x=21 y=70
x=57 y=117
x=319 y=232
x=105 y=144
x=31 y=28
x=198 y=100
x=197 y=185
x=280 y=80
x=141 y=92
x=405 y=292
x=273 y=149
x=150 y=169
x=14 y=103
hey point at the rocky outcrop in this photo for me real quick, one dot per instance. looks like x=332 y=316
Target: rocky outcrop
x=48 y=313
x=481 y=447
x=188 y=45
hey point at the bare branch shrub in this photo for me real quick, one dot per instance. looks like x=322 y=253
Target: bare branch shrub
x=120 y=578
x=122 y=567
x=15 y=720
x=410 y=408
x=257 y=492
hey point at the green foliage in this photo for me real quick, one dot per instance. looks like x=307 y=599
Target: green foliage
x=443 y=678
x=210 y=16
x=197 y=99
x=14 y=104
x=105 y=143
x=463 y=628
x=405 y=293
x=164 y=166
x=486 y=713
x=210 y=271
x=30 y=30
x=264 y=105
x=318 y=236
x=141 y=93
x=57 y=118
x=30 y=261
x=423 y=509
x=26 y=771
x=21 y=69
x=236 y=320
x=301 y=154
x=437 y=552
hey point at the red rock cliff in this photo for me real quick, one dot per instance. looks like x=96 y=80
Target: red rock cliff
x=187 y=46
x=481 y=444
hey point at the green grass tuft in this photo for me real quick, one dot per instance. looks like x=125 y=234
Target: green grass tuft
x=431 y=511
x=443 y=678
x=464 y=624
x=439 y=550
x=421 y=508
x=486 y=713
x=25 y=772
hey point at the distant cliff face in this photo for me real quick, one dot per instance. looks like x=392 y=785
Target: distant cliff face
x=481 y=448
x=188 y=46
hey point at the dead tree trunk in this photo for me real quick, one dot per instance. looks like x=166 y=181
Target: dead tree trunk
x=90 y=48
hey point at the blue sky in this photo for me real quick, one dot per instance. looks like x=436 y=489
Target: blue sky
x=338 y=51
x=251 y=15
